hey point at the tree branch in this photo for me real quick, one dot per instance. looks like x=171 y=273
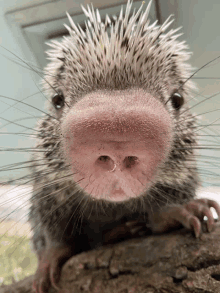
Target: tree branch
x=173 y=262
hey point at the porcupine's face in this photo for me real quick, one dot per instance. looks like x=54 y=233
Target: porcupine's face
x=121 y=122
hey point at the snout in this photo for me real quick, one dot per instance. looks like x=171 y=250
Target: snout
x=116 y=142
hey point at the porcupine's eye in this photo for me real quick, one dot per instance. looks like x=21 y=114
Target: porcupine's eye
x=58 y=101
x=177 y=100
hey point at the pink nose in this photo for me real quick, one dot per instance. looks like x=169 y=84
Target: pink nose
x=116 y=142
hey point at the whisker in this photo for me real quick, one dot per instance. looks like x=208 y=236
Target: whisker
x=20 y=125
x=34 y=71
x=17 y=102
x=195 y=72
x=207 y=112
x=19 y=168
x=19 y=134
x=26 y=104
x=200 y=102
x=215 y=78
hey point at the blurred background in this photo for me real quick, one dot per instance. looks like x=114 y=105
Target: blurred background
x=25 y=27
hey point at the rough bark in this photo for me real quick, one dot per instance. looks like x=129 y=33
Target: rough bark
x=172 y=262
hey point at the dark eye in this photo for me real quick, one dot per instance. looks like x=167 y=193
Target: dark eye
x=177 y=100
x=58 y=101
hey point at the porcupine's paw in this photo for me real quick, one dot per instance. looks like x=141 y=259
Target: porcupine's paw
x=49 y=268
x=190 y=215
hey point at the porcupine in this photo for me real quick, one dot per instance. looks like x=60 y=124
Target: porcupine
x=118 y=142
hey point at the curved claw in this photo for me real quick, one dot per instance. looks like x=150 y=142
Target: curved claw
x=55 y=276
x=195 y=225
x=201 y=208
x=43 y=285
x=135 y=227
x=211 y=221
x=190 y=215
x=49 y=268
x=215 y=205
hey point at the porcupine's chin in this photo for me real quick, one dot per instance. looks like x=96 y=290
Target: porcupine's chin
x=114 y=192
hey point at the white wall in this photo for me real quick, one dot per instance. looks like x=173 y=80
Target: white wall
x=17 y=83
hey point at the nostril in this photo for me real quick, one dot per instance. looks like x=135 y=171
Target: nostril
x=104 y=158
x=130 y=161
x=105 y=163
